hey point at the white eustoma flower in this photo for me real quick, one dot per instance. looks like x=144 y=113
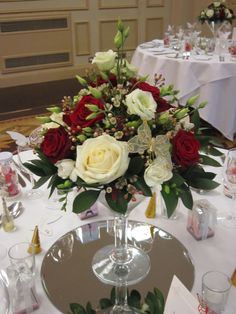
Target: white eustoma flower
x=159 y=171
x=102 y=159
x=105 y=60
x=209 y=13
x=66 y=169
x=142 y=104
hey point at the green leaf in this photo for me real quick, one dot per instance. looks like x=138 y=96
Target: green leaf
x=141 y=185
x=195 y=119
x=186 y=196
x=77 y=308
x=85 y=200
x=105 y=303
x=212 y=151
x=120 y=204
x=206 y=160
x=134 y=299
x=41 y=181
x=35 y=170
x=177 y=179
x=136 y=165
x=171 y=201
x=89 y=309
x=202 y=183
x=160 y=299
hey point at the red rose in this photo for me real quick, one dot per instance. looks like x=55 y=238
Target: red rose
x=185 y=151
x=56 y=144
x=149 y=88
x=162 y=105
x=81 y=112
x=100 y=81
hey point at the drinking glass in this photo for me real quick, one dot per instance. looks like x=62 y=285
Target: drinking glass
x=35 y=138
x=215 y=290
x=21 y=259
x=232 y=50
x=229 y=181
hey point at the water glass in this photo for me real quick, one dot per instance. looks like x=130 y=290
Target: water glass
x=21 y=259
x=215 y=290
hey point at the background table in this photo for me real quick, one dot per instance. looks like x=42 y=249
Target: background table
x=214 y=81
x=216 y=253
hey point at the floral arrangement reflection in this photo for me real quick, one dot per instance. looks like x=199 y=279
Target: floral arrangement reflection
x=122 y=136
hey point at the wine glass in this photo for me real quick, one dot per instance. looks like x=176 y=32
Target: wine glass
x=229 y=181
x=4 y=295
x=35 y=138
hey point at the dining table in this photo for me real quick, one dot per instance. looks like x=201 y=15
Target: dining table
x=210 y=76
x=214 y=253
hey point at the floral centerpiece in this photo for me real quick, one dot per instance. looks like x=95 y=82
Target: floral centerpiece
x=122 y=136
x=216 y=12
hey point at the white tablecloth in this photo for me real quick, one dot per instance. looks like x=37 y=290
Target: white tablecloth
x=214 y=81
x=216 y=253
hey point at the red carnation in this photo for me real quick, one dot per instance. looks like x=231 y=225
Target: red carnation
x=56 y=144
x=186 y=147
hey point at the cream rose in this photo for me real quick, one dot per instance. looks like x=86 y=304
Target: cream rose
x=209 y=13
x=142 y=104
x=102 y=159
x=66 y=169
x=216 y=4
x=159 y=171
x=105 y=60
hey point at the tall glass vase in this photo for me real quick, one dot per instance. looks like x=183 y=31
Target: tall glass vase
x=120 y=263
x=215 y=28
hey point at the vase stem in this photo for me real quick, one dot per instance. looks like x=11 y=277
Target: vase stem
x=121 y=253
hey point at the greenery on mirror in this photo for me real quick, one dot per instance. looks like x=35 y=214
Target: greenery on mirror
x=153 y=303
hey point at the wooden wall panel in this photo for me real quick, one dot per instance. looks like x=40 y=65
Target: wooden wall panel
x=82 y=38
x=154 y=28
x=155 y=3
x=114 y=4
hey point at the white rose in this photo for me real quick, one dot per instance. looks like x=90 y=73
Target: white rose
x=209 y=13
x=159 y=171
x=105 y=60
x=142 y=104
x=66 y=169
x=102 y=159
x=216 y=4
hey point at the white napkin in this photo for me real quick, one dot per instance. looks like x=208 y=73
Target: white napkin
x=180 y=300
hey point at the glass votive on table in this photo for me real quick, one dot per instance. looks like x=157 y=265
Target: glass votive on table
x=215 y=290
x=21 y=258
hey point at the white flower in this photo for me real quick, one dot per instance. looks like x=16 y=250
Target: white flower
x=216 y=4
x=186 y=124
x=66 y=169
x=142 y=104
x=105 y=60
x=102 y=159
x=56 y=121
x=209 y=13
x=159 y=171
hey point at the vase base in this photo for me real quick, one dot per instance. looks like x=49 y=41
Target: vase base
x=130 y=272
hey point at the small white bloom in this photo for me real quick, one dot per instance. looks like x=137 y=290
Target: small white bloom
x=142 y=104
x=159 y=171
x=216 y=4
x=50 y=125
x=105 y=60
x=209 y=13
x=186 y=124
x=102 y=159
x=66 y=169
